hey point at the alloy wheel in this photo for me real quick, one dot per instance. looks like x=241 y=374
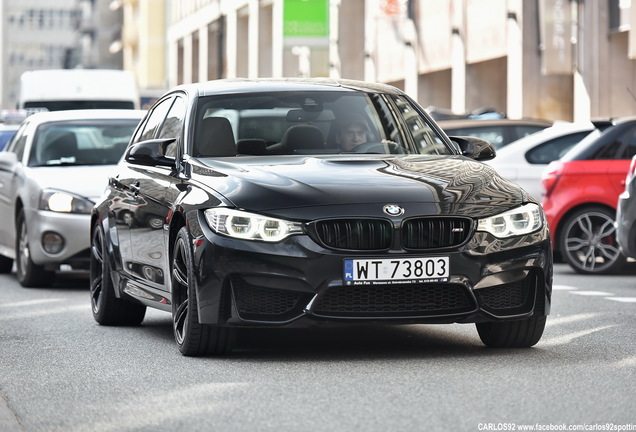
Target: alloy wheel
x=180 y=290
x=23 y=246
x=97 y=269
x=590 y=242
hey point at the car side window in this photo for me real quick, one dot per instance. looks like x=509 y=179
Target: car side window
x=553 y=149
x=18 y=142
x=19 y=146
x=155 y=119
x=13 y=143
x=426 y=141
x=173 y=125
x=629 y=145
x=138 y=132
x=623 y=146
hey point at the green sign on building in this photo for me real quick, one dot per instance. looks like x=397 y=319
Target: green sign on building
x=306 y=22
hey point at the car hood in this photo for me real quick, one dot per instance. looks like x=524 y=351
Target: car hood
x=451 y=184
x=88 y=181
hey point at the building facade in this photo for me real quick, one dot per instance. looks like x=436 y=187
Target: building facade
x=553 y=59
x=143 y=44
x=65 y=34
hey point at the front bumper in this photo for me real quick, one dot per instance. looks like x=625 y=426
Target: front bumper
x=73 y=229
x=299 y=283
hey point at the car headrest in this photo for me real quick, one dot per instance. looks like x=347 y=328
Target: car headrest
x=215 y=138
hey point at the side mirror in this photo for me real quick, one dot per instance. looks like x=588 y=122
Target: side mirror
x=475 y=148
x=150 y=153
x=8 y=160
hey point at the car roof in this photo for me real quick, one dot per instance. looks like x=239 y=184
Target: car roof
x=591 y=144
x=620 y=120
x=461 y=123
x=87 y=114
x=241 y=85
x=558 y=129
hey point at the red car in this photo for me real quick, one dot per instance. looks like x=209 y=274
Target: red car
x=580 y=195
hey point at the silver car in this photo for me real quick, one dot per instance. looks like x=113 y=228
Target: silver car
x=51 y=173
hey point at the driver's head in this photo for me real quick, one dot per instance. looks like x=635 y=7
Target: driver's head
x=352 y=133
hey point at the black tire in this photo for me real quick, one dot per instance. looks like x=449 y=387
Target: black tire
x=192 y=337
x=588 y=241
x=512 y=334
x=6 y=264
x=28 y=273
x=107 y=308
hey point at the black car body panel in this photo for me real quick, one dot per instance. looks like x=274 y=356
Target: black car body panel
x=290 y=182
x=412 y=202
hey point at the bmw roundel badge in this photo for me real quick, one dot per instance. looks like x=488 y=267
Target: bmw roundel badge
x=393 y=210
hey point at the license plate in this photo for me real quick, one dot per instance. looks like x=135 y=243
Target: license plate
x=416 y=270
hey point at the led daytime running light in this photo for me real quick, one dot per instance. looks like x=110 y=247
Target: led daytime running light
x=519 y=221
x=250 y=226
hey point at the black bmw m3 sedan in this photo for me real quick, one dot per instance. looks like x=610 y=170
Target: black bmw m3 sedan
x=293 y=203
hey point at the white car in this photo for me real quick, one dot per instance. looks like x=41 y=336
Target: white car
x=524 y=160
x=51 y=174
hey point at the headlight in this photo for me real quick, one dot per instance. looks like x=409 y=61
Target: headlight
x=250 y=226
x=520 y=221
x=64 y=202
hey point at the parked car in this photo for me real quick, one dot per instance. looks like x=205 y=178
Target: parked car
x=267 y=222
x=524 y=160
x=626 y=214
x=7 y=131
x=51 y=174
x=499 y=132
x=581 y=192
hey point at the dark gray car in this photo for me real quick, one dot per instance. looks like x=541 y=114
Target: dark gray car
x=626 y=214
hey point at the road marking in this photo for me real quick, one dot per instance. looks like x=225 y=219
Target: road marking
x=558 y=320
x=606 y=295
x=33 y=314
x=568 y=338
x=30 y=302
x=626 y=362
x=623 y=299
x=592 y=293
x=563 y=288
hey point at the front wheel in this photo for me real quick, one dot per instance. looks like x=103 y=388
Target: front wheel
x=512 y=334
x=28 y=273
x=107 y=308
x=192 y=337
x=588 y=241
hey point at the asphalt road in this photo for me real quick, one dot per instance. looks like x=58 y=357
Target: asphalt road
x=60 y=371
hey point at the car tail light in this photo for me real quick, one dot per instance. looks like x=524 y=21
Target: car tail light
x=551 y=176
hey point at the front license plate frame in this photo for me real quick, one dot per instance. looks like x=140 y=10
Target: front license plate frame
x=383 y=271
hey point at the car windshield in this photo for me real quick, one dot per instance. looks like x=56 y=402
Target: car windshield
x=312 y=123
x=81 y=143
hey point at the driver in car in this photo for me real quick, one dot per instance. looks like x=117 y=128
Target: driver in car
x=351 y=134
